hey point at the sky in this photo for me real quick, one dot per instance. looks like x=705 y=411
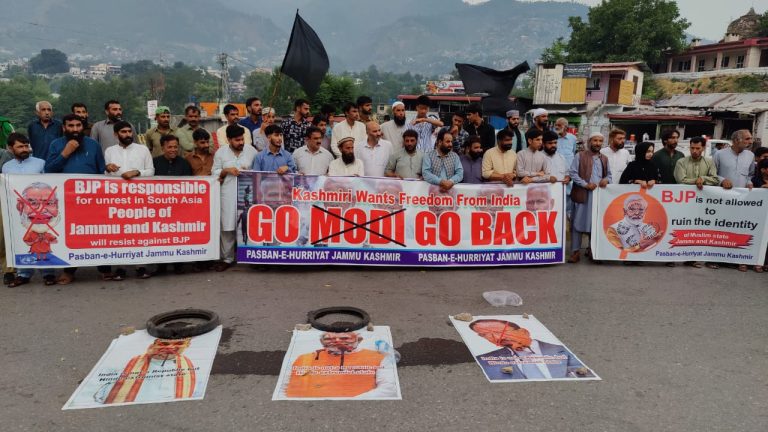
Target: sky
x=708 y=18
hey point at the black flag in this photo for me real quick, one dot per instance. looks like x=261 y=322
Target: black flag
x=305 y=60
x=480 y=79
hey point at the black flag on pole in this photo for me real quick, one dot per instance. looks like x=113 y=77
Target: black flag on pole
x=305 y=60
x=480 y=79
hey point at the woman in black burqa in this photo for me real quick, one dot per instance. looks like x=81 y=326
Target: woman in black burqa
x=642 y=170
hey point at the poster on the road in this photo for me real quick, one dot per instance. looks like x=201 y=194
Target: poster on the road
x=357 y=365
x=292 y=219
x=141 y=369
x=680 y=223
x=63 y=220
x=515 y=348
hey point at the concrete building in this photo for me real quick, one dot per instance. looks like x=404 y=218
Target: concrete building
x=741 y=51
x=585 y=93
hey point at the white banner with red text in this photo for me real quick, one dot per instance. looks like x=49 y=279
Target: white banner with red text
x=63 y=220
x=680 y=223
x=292 y=219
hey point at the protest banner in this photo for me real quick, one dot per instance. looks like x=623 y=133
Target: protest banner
x=140 y=369
x=357 y=365
x=680 y=223
x=515 y=348
x=381 y=221
x=61 y=220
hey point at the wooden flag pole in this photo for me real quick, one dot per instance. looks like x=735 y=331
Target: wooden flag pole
x=274 y=90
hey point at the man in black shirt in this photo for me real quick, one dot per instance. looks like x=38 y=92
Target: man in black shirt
x=477 y=126
x=169 y=163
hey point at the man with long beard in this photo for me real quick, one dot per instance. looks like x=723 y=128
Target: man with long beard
x=393 y=129
x=128 y=160
x=442 y=166
x=472 y=160
x=75 y=154
x=347 y=164
x=589 y=171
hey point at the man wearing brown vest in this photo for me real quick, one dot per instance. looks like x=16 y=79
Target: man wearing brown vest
x=589 y=171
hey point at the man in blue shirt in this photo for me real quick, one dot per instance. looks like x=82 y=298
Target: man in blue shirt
x=253 y=120
x=23 y=163
x=75 y=153
x=442 y=166
x=43 y=130
x=274 y=158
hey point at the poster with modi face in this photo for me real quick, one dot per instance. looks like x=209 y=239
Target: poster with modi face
x=355 y=365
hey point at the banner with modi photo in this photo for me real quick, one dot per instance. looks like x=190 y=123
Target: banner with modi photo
x=680 y=223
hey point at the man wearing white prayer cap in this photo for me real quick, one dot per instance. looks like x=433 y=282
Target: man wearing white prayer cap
x=540 y=119
x=589 y=171
x=393 y=129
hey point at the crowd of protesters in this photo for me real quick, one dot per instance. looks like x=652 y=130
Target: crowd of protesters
x=467 y=150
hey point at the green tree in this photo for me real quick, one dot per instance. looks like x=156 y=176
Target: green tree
x=336 y=91
x=762 y=29
x=257 y=83
x=627 y=30
x=555 y=53
x=49 y=61
x=184 y=84
x=286 y=94
x=18 y=97
x=94 y=93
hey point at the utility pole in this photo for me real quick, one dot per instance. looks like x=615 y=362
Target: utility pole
x=224 y=81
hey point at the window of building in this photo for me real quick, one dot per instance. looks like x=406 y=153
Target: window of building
x=714 y=63
x=725 y=62
x=593 y=84
x=740 y=61
x=684 y=65
x=701 y=66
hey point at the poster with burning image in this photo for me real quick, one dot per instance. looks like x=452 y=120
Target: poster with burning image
x=140 y=369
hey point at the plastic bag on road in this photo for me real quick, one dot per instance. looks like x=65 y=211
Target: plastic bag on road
x=503 y=298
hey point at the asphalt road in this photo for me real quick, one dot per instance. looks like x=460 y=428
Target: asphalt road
x=678 y=349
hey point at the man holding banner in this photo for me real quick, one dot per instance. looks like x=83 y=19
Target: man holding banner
x=735 y=167
x=589 y=171
x=37 y=236
x=227 y=163
x=76 y=153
